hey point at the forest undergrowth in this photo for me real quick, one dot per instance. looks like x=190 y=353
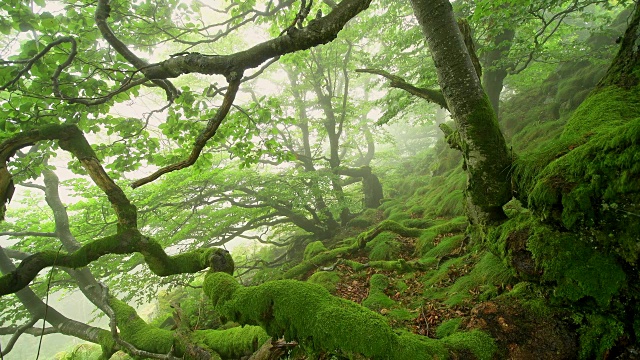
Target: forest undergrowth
x=412 y=279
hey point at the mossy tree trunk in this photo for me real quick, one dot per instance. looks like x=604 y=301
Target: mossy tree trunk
x=483 y=146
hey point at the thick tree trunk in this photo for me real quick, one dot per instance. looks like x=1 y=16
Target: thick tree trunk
x=483 y=146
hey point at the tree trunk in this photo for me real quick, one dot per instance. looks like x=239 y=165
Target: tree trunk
x=494 y=72
x=483 y=146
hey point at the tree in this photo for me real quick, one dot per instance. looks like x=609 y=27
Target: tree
x=48 y=112
x=68 y=102
x=480 y=140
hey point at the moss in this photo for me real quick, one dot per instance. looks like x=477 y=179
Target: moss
x=569 y=262
x=313 y=249
x=233 y=343
x=446 y=246
x=305 y=267
x=417 y=223
x=364 y=220
x=308 y=313
x=478 y=342
x=320 y=322
x=399 y=266
x=440 y=273
x=377 y=300
x=487 y=275
x=398 y=215
x=326 y=279
x=419 y=347
x=425 y=241
x=400 y=315
x=137 y=332
x=219 y=287
x=578 y=269
x=387 y=225
x=448 y=327
x=598 y=334
x=383 y=247
x=587 y=179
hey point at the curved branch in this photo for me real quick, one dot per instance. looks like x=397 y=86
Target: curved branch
x=71 y=139
x=201 y=141
x=38 y=56
x=318 y=32
x=124 y=243
x=431 y=95
x=25 y=328
x=102 y=13
x=37 y=308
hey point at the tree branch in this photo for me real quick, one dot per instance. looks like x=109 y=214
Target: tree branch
x=318 y=32
x=28 y=233
x=434 y=96
x=201 y=141
x=125 y=243
x=102 y=13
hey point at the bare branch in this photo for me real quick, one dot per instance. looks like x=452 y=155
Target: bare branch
x=102 y=13
x=28 y=233
x=434 y=96
x=201 y=141
x=29 y=63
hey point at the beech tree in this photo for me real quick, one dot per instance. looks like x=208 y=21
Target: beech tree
x=58 y=91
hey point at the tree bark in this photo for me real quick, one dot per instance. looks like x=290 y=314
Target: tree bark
x=483 y=146
x=494 y=72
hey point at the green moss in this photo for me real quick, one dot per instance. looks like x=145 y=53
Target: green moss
x=366 y=219
x=569 y=262
x=418 y=347
x=313 y=249
x=308 y=313
x=320 y=322
x=587 y=179
x=377 y=300
x=448 y=327
x=305 y=267
x=417 y=223
x=577 y=268
x=446 y=246
x=387 y=225
x=137 y=332
x=233 y=343
x=598 y=334
x=219 y=287
x=398 y=216
x=326 y=279
x=478 y=342
x=487 y=275
x=425 y=241
x=383 y=247
x=440 y=273
x=400 y=315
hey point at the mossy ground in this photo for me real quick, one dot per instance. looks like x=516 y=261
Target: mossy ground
x=555 y=281
x=412 y=279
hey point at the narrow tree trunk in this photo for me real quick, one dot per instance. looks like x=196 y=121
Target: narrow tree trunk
x=494 y=72
x=483 y=146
